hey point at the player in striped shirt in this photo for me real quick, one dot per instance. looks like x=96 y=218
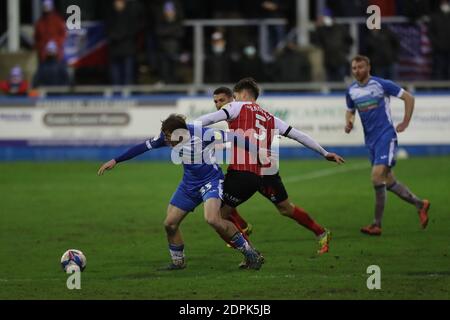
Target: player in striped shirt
x=244 y=179
x=371 y=97
x=202 y=182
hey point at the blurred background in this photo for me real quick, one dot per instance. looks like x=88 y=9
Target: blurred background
x=132 y=62
x=132 y=42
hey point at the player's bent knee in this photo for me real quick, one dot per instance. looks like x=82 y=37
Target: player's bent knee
x=377 y=180
x=171 y=228
x=213 y=222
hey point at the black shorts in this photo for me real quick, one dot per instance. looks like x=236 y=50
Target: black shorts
x=239 y=186
x=273 y=188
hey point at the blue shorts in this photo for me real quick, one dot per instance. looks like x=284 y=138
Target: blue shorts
x=384 y=150
x=188 y=199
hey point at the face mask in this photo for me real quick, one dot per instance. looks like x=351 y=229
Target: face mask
x=218 y=48
x=445 y=7
x=327 y=21
x=47 y=8
x=249 y=51
x=15 y=81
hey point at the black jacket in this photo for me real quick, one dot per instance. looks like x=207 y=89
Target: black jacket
x=335 y=42
x=121 y=30
x=439 y=32
x=382 y=47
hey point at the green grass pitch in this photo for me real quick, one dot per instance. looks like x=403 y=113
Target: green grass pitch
x=116 y=220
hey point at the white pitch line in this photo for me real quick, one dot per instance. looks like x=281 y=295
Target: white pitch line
x=327 y=172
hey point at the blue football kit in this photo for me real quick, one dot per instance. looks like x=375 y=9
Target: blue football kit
x=202 y=178
x=372 y=101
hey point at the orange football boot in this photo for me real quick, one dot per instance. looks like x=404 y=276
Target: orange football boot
x=423 y=213
x=372 y=230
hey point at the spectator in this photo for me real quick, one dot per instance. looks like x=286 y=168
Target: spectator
x=151 y=11
x=291 y=65
x=50 y=26
x=218 y=61
x=250 y=65
x=121 y=28
x=382 y=49
x=270 y=10
x=387 y=7
x=335 y=41
x=415 y=9
x=16 y=85
x=51 y=72
x=236 y=37
x=440 y=41
x=169 y=33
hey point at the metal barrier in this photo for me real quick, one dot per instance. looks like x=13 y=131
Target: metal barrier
x=193 y=89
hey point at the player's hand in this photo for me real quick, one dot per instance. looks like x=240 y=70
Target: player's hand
x=334 y=158
x=402 y=126
x=106 y=166
x=349 y=127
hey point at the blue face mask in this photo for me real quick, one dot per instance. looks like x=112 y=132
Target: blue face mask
x=327 y=21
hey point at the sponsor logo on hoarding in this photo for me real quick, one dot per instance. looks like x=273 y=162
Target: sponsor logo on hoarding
x=16 y=117
x=86 y=119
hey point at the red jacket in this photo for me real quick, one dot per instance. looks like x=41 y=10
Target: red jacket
x=387 y=7
x=21 y=89
x=50 y=26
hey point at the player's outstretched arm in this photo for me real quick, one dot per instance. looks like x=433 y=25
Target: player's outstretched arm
x=133 y=152
x=229 y=112
x=211 y=118
x=306 y=140
x=127 y=155
x=409 y=108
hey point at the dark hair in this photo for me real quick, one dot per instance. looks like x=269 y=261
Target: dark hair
x=359 y=58
x=173 y=122
x=248 y=84
x=225 y=90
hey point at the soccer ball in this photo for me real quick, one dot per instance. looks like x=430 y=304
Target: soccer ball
x=402 y=154
x=73 y=259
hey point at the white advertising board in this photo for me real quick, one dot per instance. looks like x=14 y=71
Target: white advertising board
x=320 y=116
x=323 y=118
x=68 y=121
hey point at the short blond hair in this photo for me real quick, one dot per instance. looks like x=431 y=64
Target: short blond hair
x=359 y=58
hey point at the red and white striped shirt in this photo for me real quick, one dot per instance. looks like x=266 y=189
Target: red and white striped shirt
x=248 y=119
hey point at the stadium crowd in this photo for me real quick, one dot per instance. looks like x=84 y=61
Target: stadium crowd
x=148 y=43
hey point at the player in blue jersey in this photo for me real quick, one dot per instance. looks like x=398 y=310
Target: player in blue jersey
x=202 y=182
x=370 y=96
